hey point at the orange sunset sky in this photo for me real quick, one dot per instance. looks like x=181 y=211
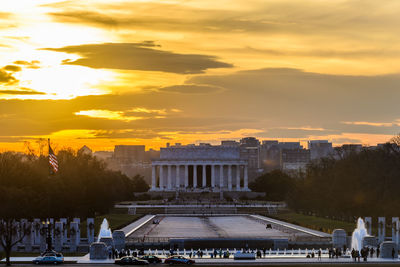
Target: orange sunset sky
x=103 y=73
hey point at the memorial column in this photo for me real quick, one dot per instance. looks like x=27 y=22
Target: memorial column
x=161 y=177
x=246 y=178
x=186 y=176
x=212 y=176
x=169 y=178
x=177 y=179
x=221 y=176
x=238 y=177
x=204 y=176
x=153 y=177
x=230 y=177
x=194 y=176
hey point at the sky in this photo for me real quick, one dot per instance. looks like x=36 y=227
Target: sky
x=102 y=73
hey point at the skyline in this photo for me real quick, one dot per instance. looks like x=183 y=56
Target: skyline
x=152 y=72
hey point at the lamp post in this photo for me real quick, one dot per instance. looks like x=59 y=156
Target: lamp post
x=49 y=241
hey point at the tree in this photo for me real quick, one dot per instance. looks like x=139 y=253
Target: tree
x=276 y=184
x=139 y=184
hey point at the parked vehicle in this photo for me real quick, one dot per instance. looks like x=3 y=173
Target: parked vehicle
x=151 y=259
x=49 y=259
x=178 y=260
x=129 y=260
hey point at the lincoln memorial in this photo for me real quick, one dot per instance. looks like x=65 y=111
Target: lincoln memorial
x=199 y=168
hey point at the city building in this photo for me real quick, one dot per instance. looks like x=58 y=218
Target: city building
x=320 y=149
x=200 y=168
x=294 y=160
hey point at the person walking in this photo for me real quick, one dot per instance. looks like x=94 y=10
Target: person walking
x=393 y=253
x=319 y=254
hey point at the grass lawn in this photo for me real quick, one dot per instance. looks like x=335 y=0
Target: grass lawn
x=316 y=223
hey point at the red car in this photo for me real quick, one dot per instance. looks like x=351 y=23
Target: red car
x=178 y=260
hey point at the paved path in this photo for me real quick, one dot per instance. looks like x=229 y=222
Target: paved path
x=292 y=226
x=128 y=230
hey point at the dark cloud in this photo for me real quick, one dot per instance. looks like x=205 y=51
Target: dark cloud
x=139 y=56
x=21 y=91
x=28 y=64
x=6 y=77
x=12 y=68
x=191 y=89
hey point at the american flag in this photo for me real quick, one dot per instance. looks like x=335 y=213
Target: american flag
x=52 y=160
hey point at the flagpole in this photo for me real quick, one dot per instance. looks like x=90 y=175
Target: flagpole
x=49 y=238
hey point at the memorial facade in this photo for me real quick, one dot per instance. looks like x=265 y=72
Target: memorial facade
x=200 y=168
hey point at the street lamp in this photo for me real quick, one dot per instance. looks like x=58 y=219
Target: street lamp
x=47 y=226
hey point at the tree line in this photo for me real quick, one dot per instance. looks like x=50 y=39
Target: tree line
x=362 y=183
x=82 y=187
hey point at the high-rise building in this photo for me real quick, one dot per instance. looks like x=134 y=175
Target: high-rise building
x=320 y=149
x=129 y=153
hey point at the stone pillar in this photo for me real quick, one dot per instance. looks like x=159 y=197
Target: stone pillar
x=64 y=221
x=229 y=177
x=177 y=179
x=36 y=231
x=73 y=236
x=153 y=177
x=204 y=175
x=381 y=229
x=238 y=177
x=161 y=177
x=368 y=224
x=58 y=239
x=221 y=177
x=194 y=176
x=78 y=232
x=246 y=178
x=186 y=176
x=43 y=235
x=169 y=178
x=90 y=230
x=212 y=176
x=395 y=230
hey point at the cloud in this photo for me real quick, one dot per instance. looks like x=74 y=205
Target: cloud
x=107 y=114
x=28 y=64
x=278 y=103
x=375 y=124
x=192 y=89
x=12 y=68
x=21 y=91
x=139 y=56
x=6 y=77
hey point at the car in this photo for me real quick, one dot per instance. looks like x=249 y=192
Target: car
x=151 y=259
x=49 y=258
x=129 y=260
x=178 y=260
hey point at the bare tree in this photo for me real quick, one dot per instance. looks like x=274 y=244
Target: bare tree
x=11 y=233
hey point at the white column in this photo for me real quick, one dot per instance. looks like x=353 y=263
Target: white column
x=204 y=176
x=212 y=176
x=153 y=177
x=177 y=180
x=230 y=177
x=161 y=177
x=246 y=178
x=186 y=176
x=238 y=177
x=194 y=176
x=169 y=178
x=221 y=176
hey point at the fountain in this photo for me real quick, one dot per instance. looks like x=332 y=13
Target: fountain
x=105 y=231
x=358 y=235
